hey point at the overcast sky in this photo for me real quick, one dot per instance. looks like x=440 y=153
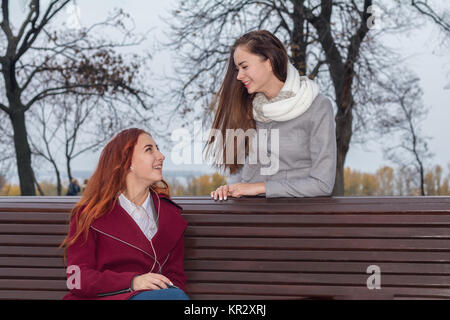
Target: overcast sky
x=420 y=47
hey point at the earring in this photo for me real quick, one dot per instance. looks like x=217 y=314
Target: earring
x=131 y=168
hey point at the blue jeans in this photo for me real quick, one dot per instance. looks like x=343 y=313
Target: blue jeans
x=162 y=294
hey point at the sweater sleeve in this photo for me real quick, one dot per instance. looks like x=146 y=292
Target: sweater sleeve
x=90 y=282
x=235 y=177
x=320 y=181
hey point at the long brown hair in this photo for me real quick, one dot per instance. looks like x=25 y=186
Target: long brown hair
x=106 y=183
x=234 y=103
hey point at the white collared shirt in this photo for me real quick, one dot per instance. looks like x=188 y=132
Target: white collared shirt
x=142 y=215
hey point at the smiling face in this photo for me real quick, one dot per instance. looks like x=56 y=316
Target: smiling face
x=254 y=72
x=147 y=161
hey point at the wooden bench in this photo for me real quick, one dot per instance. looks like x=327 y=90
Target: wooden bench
x=256 y=248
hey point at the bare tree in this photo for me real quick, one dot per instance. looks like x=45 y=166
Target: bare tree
x=67 y=127
x=406 y=181
x=442 y=19
x=385 y=177
x=335 y=42
x=38 y=63
x=406 y=112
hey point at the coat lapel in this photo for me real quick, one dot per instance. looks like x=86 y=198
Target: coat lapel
x=120 y=225
x=171 y=225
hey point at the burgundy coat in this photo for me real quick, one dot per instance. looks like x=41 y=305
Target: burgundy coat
x=117 y=250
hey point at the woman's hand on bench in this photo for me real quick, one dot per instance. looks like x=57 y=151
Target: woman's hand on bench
x=238 y=190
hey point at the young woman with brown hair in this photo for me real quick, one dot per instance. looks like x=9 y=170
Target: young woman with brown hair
x=126 y=234
x=262 y=90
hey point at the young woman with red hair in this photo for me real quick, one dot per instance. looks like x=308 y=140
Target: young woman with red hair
x=126 y=234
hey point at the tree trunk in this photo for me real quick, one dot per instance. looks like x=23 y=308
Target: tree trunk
x=58 y=184
x=23 y=152
x=342 y=74
x=344 y=124
x=422 y=187
x=38 y=186
x=69 y=169
x=298 y=41
x=343 y=138
x=16 y=113
x=58 y=177
x=421 y=174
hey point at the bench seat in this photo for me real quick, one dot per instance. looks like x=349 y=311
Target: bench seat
x=257 y=248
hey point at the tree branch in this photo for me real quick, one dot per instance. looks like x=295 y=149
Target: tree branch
x=358 y=37
x=283 y=22
x=426 y=10
x=322 y=24
x=34 y=32
x=5 y=22
x=4 y=108
x=315 y=71
x=306 y=12
x=326 y=9
x=33 y=9
x=54 y=92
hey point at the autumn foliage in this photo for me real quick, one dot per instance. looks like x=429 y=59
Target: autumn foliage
x=386 y=181
x=389 y=182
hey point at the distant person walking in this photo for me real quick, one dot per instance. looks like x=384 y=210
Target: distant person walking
x=85 y=182
x=74 y=188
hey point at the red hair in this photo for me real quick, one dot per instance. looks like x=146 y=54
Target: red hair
x=106 y=183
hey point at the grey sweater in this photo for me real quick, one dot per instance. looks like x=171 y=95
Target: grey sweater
x=306 y=157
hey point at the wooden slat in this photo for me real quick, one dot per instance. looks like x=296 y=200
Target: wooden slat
x=32 y=294
x=319 y=204
x=216 y=288
x=268 y=219
x=315 y=255
x=317 y=279
x=31 y=251
x=314 y=267
x=311 y=290
x=42 y=229
x=31 y=262
x=18 y=200
x=347 y=244
x=255 y=243
x=36 y=206
x=31 y=240
x=215 y=218
x=277 y=232
x=264 y=266
x=259 y=204
x=27 y=284
x=34 y=217
x=319 y=232
x=33 y=273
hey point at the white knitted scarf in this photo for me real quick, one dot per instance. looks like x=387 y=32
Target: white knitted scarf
x=294 y=99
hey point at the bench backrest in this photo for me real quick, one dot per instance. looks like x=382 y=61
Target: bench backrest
x=255 y=248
